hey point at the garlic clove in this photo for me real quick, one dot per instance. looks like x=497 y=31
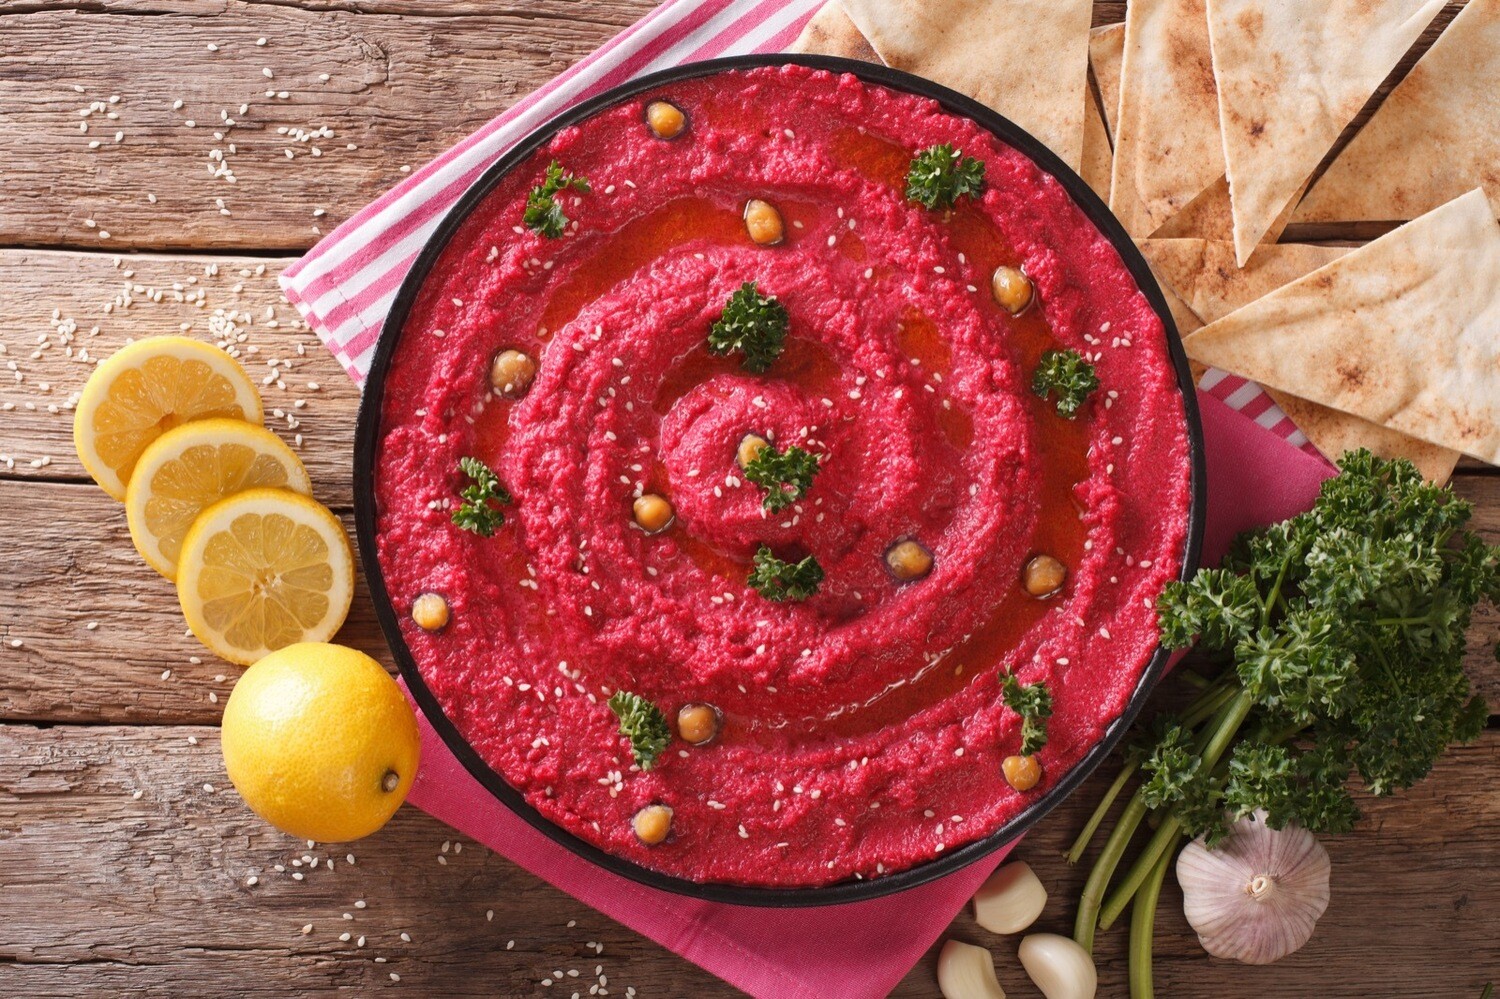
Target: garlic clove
x=967 y=972
x=1059 y=966
x=1010 y=900
x=1256 y=896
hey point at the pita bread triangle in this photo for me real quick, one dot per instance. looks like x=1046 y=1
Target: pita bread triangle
x=1401 y=331
x=1106 y=52
x=1026 y=59
x=1097 y=157
x=1205 y=273
x=1210 y=216
x=1167 y=144
x=830 y=32
x=1290 y=76
x=1436 y=136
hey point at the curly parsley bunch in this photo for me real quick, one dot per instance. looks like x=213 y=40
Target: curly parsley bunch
x=1342 y=632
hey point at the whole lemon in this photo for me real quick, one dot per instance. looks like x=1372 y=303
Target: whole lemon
x=320 y=742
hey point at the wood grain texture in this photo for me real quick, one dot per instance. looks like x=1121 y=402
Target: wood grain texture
x=405 y=81
x=44 y=361
x=106 y=893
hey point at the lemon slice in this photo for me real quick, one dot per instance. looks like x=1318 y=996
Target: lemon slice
x=191 y=468
x=262 y=570
x=148 y=388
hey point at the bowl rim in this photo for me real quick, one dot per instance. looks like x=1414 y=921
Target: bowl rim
x=367 y=441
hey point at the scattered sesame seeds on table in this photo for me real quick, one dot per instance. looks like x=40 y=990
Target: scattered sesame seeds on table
x=159 y=186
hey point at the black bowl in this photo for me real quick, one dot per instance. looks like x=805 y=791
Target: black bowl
x=367 y=440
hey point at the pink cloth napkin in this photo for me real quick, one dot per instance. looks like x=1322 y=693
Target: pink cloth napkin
x=1260 y=470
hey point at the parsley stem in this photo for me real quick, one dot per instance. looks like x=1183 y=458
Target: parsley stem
x=1218 y=736
x=1207 y=706
x=1143 y=930
x=1075 y=852
x=1104 y=869
x=1192 y=679
x=1402 y=622
x=1157 y=851
x=1274 y=597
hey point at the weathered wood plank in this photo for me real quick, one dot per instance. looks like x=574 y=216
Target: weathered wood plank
x=405 y=81
x=68 y=562
x=400 y=87
x=230 y=300
x=109 y=893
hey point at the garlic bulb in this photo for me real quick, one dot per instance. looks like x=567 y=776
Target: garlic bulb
x=1010 y=900
x=967 y=972
x=1059 y=966
x=1255 y=897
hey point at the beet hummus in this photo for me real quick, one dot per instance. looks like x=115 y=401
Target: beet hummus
x=959 y=527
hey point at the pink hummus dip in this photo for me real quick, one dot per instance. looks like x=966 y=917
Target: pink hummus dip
x=863 y=729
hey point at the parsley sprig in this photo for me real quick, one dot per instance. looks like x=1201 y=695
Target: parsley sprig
x=478 y=512
x=785 y=475
x=1067 y=376
x=940 y=175
x=543 y=214
x=753 y=324
x=1344 y=634
x=777 y=580
x=1033 y=702
x=643 y=724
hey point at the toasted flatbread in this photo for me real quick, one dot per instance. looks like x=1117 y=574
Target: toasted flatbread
x=1401 y=331
x=1207 y=277
x=1026 y=59
x=830 y=32
x=1205 y=274
x=1210 y=216
x=1106 y=53
x=1186 y=321
x=1167 y=144
x=1436 y=136
x=1290 y=76
x=1097 y=156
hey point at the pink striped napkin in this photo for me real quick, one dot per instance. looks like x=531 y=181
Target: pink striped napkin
x=344 y=287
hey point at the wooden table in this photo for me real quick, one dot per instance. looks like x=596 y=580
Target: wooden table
x=126 y=862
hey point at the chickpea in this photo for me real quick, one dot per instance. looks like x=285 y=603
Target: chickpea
x=1012 y=289
x=763 y=222
x=666 y=120
x=652 y=513
x=511 y=372
x=750 y=448
x=652 y=824
x=430 y=612
x=1021 y=772
x=698 y=724
x=1043 y=576
x=908 y=560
